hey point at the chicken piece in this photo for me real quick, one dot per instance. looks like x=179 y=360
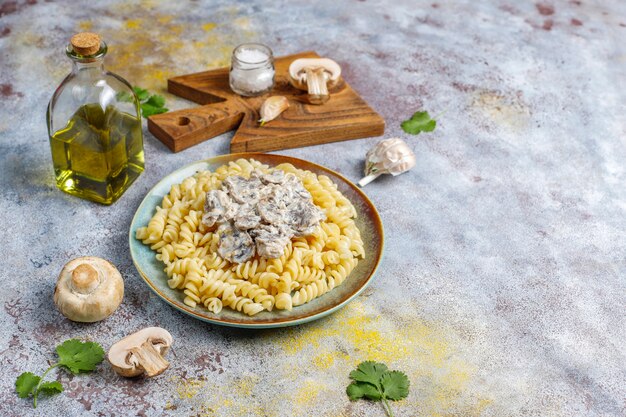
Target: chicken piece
x=270 y=241
x=242 y=190
x=218 y=208
x=235 y=245
x=271 y=209
x=296 y=188
x=256 y=173
x=247 y=217
x=302 y=215
x=306 y=231
x=275 y=177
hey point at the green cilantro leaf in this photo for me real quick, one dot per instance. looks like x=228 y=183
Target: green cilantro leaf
x=26 y=383
x=148 y=110
x=79 y=356
x=156 y=100
x=419 y=122
x=150 y=103
x=373 y=381
x=370 y=372
x=142 y=94
x=51 y=388
x=154 y=105
x=124 y=96
x=358 y=390
x=395 y=385
x=74 y=355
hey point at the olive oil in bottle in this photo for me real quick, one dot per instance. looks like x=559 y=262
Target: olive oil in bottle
x=98 y=154
x=95 y=129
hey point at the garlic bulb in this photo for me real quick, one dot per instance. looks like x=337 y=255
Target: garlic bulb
x=390 y=156
x=272 y=107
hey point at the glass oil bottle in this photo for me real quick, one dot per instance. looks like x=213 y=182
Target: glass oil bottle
x=94 y=124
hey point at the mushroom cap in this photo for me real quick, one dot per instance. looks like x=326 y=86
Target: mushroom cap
x=127 y=356
x=89 y=289
x=297 y=71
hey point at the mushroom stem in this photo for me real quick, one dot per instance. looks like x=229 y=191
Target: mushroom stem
x=316 y=79
x=366 y=180
x=149 y=358
x=85 y=279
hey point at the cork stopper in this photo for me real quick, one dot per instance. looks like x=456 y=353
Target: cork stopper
x=86 y=43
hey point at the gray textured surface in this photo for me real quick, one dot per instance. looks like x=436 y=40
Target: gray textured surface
x=502 y=291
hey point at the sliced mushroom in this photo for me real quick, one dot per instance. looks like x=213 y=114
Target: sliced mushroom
x=89 y=289
x=141 y=352
x=316 y=75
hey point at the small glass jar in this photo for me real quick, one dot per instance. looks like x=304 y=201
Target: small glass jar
x=252 y=70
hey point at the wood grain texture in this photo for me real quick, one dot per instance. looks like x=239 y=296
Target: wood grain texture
x=345 y=116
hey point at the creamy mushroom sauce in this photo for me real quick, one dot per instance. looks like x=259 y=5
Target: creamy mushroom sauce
x=260 y=214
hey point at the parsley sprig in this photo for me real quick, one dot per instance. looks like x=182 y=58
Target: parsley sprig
x=74 y=355
x=150 y=103
x=375 y=382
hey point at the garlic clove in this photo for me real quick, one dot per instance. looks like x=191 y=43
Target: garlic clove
x=272 y=108
x=390 y=156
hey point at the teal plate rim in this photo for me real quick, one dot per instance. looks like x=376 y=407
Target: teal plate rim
x=367 y=213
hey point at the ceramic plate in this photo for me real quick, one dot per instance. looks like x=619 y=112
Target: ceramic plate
x=368 y=222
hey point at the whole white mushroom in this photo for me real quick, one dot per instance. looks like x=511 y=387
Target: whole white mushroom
x=89 y=289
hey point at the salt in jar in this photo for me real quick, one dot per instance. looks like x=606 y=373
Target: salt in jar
x=252 y=69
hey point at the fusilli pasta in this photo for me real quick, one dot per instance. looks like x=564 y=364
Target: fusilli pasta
x=310 y=265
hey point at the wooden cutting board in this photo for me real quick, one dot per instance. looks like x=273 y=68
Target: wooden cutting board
x=345 y=116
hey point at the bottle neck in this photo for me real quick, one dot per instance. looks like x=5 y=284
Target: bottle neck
x=91 y=63
x=96 y=64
